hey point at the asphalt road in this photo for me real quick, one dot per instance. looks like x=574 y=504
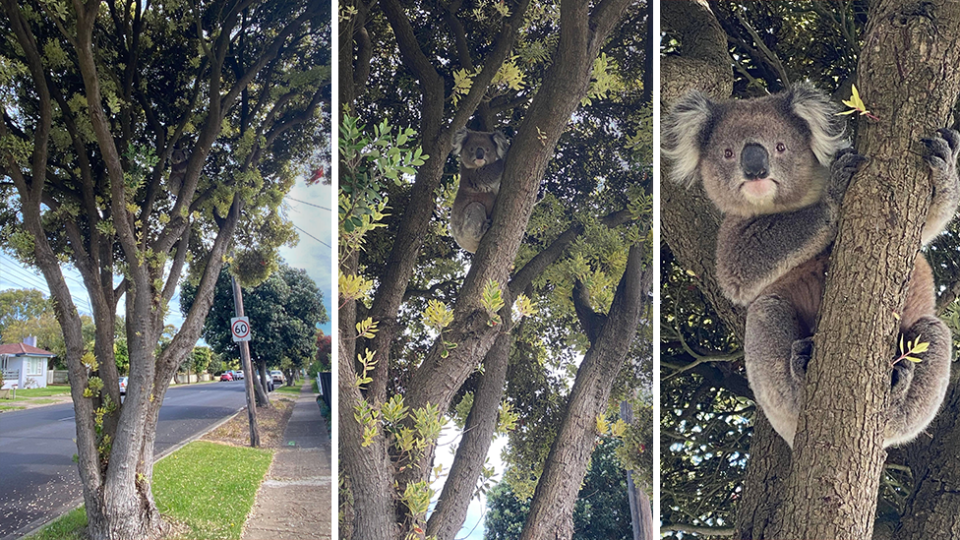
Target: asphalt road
x=38 y=478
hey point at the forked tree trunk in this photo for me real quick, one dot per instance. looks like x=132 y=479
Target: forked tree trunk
x=909 y=80
x=551 y=509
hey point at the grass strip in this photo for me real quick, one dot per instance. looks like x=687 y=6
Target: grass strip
x=295 y=390
x=207 y=488
x=47 y=391
x=69 y=527
x=210 y=487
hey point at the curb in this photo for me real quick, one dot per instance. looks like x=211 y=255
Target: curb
x=73 y=505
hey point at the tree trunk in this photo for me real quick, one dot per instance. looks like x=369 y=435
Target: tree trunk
x=551 y=510
x=260 y=388
x=838 y=454
x=459 y=486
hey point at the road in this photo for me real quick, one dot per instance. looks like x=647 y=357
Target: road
x=38 y=478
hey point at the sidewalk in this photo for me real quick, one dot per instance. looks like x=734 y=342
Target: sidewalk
x=294 y=500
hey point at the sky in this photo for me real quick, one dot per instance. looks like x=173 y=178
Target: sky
x=314 y=226
x=310 y=209
x=446 y=448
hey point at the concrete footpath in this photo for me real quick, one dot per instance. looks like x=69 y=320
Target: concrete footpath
x=293 y=502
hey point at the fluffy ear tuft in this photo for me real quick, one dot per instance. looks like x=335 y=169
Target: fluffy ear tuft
x=503 y=144
x=458 y=138
x=682 y=133
x=826 y=128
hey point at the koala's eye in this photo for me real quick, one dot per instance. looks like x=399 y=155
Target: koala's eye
x=728 y=153
x=781 y=148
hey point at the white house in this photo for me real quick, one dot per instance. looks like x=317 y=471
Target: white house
x=24 y=364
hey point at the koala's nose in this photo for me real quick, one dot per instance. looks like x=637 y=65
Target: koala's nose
x=479 y=153
x=754 y=161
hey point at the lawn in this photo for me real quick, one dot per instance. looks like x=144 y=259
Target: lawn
x=210 y=487
x=10 y=408
x=48 y=391
x=207 y=488
x=288 y=389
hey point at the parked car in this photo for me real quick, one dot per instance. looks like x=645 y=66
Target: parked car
x=239 y=374
x=277 y=376
x=226 y=376
x=123 y=386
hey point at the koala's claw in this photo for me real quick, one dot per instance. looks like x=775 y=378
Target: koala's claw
x=901 y=378
x=941 y=150
x=952 y=138
x=845 y=164
x=800 y=354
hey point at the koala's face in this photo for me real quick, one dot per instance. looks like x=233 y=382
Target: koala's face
x=758 y=159
x=479 y=148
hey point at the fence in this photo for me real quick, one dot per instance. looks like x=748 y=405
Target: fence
x=57 y=376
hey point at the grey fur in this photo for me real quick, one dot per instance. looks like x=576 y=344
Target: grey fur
x=779 y=224
x=481 y=155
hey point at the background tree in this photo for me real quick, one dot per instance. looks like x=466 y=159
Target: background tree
x=708 y=482
x=284 y=311
x=138 y=138
x=602 y=509
x=410 y=351
x=324 y=352
x=21 y=305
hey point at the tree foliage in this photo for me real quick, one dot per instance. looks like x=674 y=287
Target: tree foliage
x=423 y=341
x=283 y=311
x=602 y=509
x=138 y=137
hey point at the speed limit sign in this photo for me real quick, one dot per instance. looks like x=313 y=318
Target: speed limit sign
x=240 y=328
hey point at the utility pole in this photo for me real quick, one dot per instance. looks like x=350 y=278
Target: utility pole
x=245 y=360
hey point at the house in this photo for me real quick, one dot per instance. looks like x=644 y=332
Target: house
x=24 y=364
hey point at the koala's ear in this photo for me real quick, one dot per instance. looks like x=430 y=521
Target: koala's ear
x=458 y=138
x=683 y=132
x=818 y=112
x=503 y=144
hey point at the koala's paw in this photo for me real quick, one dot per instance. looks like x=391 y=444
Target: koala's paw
x=800 y=354
x=941 y=152
x=845 y=164
x=900 y=379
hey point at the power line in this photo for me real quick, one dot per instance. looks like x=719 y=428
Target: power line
x=25 y=279
x=309 y=204
x=310 y=235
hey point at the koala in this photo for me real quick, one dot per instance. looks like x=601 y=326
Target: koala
x=178 y=169
x=481 y=155
x=777 y=168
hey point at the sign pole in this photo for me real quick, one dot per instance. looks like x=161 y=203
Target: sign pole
x=244 y=338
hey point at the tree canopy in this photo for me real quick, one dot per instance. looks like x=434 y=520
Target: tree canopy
x=137 y=139
x=491 y=343
x=284 y=311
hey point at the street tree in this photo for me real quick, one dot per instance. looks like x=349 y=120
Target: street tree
x=722 y=475
x=22 y=305
x=428 y=334
x=137 y=139
x=284 y=311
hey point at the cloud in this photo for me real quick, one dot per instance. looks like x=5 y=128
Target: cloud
x=311 y=210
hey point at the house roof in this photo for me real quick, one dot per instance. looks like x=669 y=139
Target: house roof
x=22 y=349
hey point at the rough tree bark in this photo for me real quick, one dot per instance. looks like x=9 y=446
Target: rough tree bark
x=897 y=35
x=908 y=77
x=933 y=509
